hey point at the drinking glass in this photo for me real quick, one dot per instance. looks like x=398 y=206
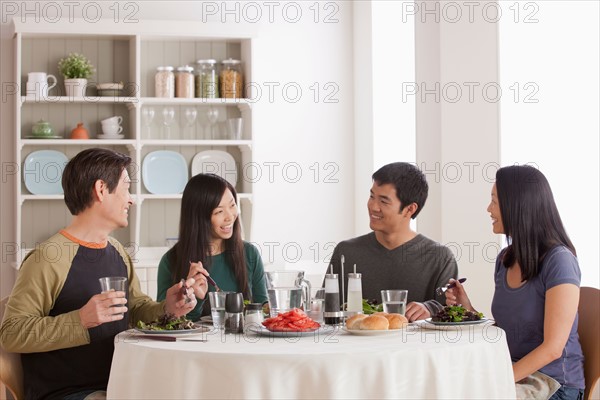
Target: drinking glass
x=190 y=114
x=168 y=114
x=147 y=118
x=116 y=283
x=394 y=301
x=212 y=115
x=217 y=308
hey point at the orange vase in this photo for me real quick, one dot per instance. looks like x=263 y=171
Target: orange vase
x=80 y=132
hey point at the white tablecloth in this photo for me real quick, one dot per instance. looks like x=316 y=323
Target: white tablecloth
x=472 y=363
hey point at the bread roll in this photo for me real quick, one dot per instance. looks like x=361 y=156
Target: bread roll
x=397 y=321
x=383 y=314
x=374 y=323
x=354 y=321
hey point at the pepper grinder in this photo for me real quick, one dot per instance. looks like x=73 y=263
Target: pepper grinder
x=234 y=318
x=332 y=314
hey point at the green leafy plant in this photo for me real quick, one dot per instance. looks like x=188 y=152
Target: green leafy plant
x=76 y=66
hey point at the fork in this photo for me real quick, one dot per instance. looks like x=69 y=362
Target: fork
x=184 y=289
x=441 y=290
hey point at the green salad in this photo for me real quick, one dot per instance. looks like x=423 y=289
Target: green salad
x=371 y=307
x=456 y=313
x=167 y=322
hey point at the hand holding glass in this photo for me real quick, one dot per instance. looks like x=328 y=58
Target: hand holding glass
x=116 y=283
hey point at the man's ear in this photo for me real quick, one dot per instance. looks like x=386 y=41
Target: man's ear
x=100 y=190
x=410 y=210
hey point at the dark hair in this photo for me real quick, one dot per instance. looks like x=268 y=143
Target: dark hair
x=531 y=221
x=201 y=196
x=410 y=183
x=87 y=167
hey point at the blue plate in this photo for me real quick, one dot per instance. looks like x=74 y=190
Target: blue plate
x=42 y=171
x=164 y=172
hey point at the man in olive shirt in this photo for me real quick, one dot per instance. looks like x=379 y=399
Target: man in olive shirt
x=56 y=316
x=394 y=256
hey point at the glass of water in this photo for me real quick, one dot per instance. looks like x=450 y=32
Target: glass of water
x=394 y=301
x=217 y=308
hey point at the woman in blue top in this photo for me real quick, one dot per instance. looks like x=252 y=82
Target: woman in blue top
x=210 y=241
x=537 y=280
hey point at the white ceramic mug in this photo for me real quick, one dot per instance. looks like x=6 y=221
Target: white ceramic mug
x=111 y=129
x=37 y=84
x=116 y=120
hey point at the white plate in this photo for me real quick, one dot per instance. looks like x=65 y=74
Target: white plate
x=215 y=162
x=381 y=332
x=164 y=172
x=450 y=326
x=207 y=319
x=265 y=332
x=42 y=171
x=109 y=137
x=198 y=329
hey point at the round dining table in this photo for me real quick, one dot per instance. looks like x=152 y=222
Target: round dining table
x=419 y=362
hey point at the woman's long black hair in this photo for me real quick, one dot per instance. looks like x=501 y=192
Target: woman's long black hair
x=201 y=196
x=530 y=218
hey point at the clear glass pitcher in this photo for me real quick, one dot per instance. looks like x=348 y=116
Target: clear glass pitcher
x=287 y=290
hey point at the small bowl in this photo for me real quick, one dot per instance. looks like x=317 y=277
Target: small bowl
x=109 y=89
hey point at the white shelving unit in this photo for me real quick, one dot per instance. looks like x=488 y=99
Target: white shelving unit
x=129 y=53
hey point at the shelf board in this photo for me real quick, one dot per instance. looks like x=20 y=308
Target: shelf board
x=159 y=142
x=242 y=104
x=78 y=100
x=77 y=142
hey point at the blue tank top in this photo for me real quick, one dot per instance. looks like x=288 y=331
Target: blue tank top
x=520 y=312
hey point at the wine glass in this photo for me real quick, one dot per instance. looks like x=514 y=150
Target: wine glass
x=212 y=115
x=168 y=114
x=190 y=114
x=147 y=118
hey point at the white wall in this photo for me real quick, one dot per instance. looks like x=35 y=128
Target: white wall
x=457 y=136
x=384 y=58
x=549 y=51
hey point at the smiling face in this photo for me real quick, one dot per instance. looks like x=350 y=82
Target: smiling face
x=223 y=218
x=384 y=209
x=116 y=204
x=494 y=210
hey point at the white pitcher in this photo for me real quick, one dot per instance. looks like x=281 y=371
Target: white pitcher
x=37 y=84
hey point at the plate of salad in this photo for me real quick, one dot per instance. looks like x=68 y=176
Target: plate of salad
x=170 y=325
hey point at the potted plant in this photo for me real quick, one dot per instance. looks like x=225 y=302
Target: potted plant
x=76 y=69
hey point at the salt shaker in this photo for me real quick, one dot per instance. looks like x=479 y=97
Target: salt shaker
x=234 y=307
x=253 y=315
x=354 y=293
x=332 y=314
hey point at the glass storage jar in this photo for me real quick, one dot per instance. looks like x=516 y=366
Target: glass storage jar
x=184 y=82
x=207 y=80
x=164 y=82
x=231 y=79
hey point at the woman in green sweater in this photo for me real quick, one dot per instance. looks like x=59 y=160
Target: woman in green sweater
x=210 y=242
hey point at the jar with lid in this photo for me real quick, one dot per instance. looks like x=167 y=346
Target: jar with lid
x=207 y=80
x=164 y=82
x=231 y=79
x=184 y=82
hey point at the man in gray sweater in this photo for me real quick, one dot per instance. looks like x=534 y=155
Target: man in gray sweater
x=394 y=256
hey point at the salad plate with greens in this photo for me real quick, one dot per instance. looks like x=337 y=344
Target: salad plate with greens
x=453 y=316
x=168 y=324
